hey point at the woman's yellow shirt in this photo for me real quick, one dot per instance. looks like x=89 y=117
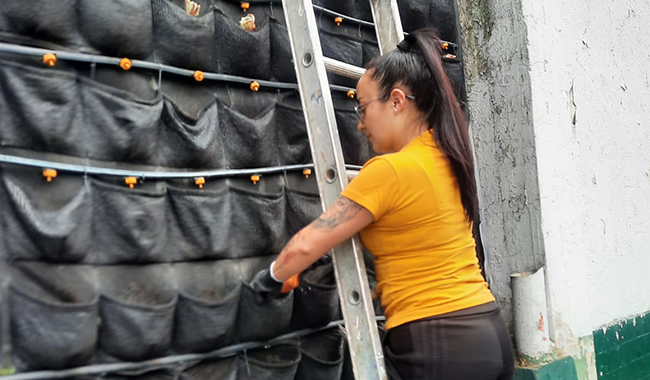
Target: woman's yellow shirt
x=425 y=258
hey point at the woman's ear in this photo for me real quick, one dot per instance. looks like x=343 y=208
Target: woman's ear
x=397 y=99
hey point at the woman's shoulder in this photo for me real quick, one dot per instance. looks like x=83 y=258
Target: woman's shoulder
x=396 y=161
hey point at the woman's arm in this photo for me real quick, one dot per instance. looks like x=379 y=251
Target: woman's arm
x=340 y=222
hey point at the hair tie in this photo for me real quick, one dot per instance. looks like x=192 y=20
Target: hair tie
x=408 y=44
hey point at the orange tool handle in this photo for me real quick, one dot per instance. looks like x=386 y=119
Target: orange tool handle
x=290 y=284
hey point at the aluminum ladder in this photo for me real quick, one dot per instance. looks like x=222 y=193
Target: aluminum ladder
x=311 y=70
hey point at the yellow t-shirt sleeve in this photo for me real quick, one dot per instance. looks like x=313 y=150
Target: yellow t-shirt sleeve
x=375 y=188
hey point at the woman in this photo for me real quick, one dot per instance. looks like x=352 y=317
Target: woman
x=414 y=208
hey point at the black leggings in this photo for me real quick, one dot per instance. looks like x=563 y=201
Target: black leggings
x=467 y=344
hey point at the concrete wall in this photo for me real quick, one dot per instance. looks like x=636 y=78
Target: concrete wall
x=590 y=70
x=499 y=99
x=559 y=96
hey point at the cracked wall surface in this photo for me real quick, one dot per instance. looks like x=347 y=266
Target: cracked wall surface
x=499 y=99
x=558 y=95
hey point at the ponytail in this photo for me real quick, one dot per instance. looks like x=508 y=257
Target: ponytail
x=417 y=65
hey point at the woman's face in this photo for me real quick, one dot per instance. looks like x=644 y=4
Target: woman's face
x=375 y=116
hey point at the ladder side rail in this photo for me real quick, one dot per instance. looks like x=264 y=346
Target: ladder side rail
x=356 y=301
x=388 y=24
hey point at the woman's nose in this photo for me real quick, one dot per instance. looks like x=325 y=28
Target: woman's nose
x=360 y=126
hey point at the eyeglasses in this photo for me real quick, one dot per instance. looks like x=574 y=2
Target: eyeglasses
x=360 y=109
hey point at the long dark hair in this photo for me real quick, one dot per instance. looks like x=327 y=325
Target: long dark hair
x=417 y=65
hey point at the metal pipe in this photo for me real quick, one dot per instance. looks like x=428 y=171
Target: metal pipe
x=113 y=61
x=75 y=168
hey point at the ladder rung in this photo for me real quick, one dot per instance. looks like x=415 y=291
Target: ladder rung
x=344 y=69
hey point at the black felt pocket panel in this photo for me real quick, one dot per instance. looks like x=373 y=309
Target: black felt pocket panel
x=41 y=110
x=53 y=316
x=282 y=67
x=183 y=40
x=207 y=306
x=316 y=301
x=321 y=356
x=442 y=16
x=44 y=221
x=223 y=369
x=302 y=209
x=356 y=148
x=161 y=374
x=118 y=28
x=292 y=133
x=129 y=224
x=118 y=127
x=257 y=224
x=362 y=10
x=278 y=362
x=414 y=14
x=54 y=21
x=189 y=142
x=342 y=48
x=240 y=52
x=262 y=320
x=454 y=70
x=137 y=311
x=249 y=142
x=198 y=223
x=370 y=51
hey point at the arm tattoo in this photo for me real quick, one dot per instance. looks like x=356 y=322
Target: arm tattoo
x=341 y=211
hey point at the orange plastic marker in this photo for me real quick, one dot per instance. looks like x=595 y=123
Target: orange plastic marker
x=49 y=174
x=49 y=59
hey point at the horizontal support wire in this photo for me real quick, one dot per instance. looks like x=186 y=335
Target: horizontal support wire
x=76 y=168
x=113 y=61
x=168 y=361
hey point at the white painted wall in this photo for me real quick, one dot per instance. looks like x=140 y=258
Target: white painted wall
x=594 y=176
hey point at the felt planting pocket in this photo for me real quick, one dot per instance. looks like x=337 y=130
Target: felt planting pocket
x=414 y=14
x=183 y=40
x=342 y=48
x=198 y=223
x=41 y=109
x=44 y=221
x=321 y=356
x=207 y=309
x=282 y=68
x=356 y=148
x=454 y=70
x=137 y=311
x=222 y=369
x=261 y=320
x=292 y=132
x=370 y=51
x=39 y=22
x=302 y=209
x=119 y=127
x=53 y=316
x=118 y=28
x=316 y=301
x=190 y=142
x=249 y=142
x=257 y=223
x=278 y=362
x=240 y=52
x=129 y=224
x=161 y=374
x=443 y=15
